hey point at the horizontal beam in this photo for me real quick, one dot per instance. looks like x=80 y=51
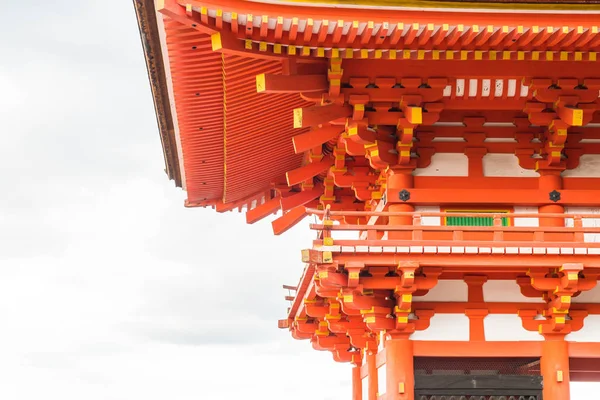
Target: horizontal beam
x=469 y=263
x=269 y=83
x=309 y=140
x=428 y=348
x=494 y=196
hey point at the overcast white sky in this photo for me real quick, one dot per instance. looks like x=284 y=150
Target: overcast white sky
x=109 y=288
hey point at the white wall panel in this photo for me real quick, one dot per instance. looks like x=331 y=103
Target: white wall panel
x=590 y=331
x=589 y=296
x=499 y=291
x=446 y=290
x=445 y=164
x=429 y=221
x=589 y=167
x=445 y=327
x=505 y=165
x=529 y=222
x=507 y=327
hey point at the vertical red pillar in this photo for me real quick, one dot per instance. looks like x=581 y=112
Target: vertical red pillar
x=372 y=379
x=551 y=181
x=399 y=365
x=554 y=365
x=356 y=383
x=400 y=180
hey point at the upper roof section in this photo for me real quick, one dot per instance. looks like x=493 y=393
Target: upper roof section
x=571 y=5
x=228 y=146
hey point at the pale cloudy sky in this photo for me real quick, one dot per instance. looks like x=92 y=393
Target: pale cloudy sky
x=109 y=288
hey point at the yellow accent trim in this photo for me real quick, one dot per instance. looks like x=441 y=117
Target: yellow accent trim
x=564 y=56
x=248 y=44
x=260 y=83
x=406 y=54
x=277 y=48
x=320 y=52
x=392 y=54
x=298 y=118
x=262 y=46
x=306 y=51
x=506 y=55
x=292 y=50
x=478 y=55
x=328 y=241
x=549 y=56
x=493 y=54
x=456 y=5
x=203 y=10
x=578 y=56
x=449 y=55
x=378 y=53
x=435 y=54
x=577 y=117
x=349 y=53
x=520 y=55
x=535 y=55
x=364 y=53
x=335 y=53
x=215 y=41
x=592 y=56
x=464 y=54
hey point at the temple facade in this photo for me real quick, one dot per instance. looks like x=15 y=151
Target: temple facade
x=451 y=151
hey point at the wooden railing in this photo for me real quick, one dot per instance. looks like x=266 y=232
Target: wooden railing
x=450 y=235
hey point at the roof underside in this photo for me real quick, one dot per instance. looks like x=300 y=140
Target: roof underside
x=234 y=143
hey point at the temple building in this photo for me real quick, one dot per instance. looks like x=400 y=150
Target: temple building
x=451 y=152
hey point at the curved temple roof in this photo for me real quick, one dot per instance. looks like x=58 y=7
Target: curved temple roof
x=228 y=145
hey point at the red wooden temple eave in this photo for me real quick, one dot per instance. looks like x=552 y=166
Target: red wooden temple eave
x=471 y=30
x=212 y=146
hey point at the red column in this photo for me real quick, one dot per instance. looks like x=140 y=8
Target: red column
x=356 y=383
x=402 y=179
x=554 y=365
x=549 y=181
x=399 y=365
x=372 y=380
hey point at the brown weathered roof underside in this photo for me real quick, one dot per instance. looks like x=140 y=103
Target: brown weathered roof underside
x=146 y=18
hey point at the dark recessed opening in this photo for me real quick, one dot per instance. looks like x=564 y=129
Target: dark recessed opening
x=197 y=94
x=194 y=25
x=193 y=47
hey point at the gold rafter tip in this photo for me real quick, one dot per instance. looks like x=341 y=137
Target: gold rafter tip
x=215 y=40
x=260 y=83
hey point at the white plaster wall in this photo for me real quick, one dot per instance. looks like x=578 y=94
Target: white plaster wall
x=445 y=327
x=507 y=327
x=446 y=290
x=365 y=388
x=589 y=167
x=445 y=164
x=587 y=222
x=381 y=378
x=505 y=165
x=590 y=331
x=589 y=296
x=526 y=221
x=499 y=291
x=429 y=221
